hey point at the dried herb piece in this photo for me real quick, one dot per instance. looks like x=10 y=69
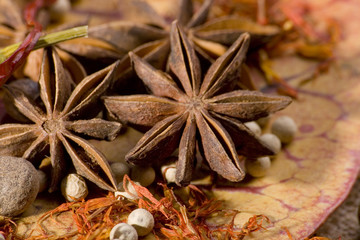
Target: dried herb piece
x=179 y=214
x=184 y=105
x=60 y=122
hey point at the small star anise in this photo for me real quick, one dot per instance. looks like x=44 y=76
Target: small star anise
x=61 y=120
x=184 y=105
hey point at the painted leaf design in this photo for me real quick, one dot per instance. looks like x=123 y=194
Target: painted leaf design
x=313 y=174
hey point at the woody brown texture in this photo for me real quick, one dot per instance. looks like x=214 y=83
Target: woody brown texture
x=59 y=122
x=186 y=107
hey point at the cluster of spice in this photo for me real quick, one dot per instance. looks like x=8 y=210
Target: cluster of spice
x=184 y=82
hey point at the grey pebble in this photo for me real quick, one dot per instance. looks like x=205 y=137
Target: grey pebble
x=19 y=185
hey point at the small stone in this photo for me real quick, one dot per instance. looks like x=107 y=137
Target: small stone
x=272 y=141
x=257 y=167
x=123 y=231
x=19 y=185
x=284 y=128
x=73 y=187
x=142 y=220
x=144 y=175
x=120 y=169
x=43 y=179
x=254 y=127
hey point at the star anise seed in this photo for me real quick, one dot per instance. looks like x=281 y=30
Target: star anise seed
x=184 y=105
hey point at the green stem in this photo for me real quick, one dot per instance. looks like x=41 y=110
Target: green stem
x=48 y=40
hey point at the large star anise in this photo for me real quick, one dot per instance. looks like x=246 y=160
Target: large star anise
x=63 y=117
x=184 y=105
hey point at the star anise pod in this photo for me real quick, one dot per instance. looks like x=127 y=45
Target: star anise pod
x=209 y=37
x=147 y=35
x=185 y=105
x=60 y=122
x=12 y=27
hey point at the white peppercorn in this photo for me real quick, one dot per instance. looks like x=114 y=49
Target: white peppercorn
x=272 y=141
x=169 y=172
x=144 y=175
x=120 y=169
x=123 y=231
x=73 y=187
x=285 y=128
x=254 y=127
x=43 y=179
x=142 y=220
x=257 y=167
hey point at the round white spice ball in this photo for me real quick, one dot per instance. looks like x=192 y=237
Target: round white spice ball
x=142 y=220
x=272 y=141
x=73 y=187
x=257 y=167
x=254 y=127
x=169 y=172
x=123 y=231
x=42 y=180
x=170 y=175
x=120 y=169
x=2 y=237
x=144 y=175
x=285 y=128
